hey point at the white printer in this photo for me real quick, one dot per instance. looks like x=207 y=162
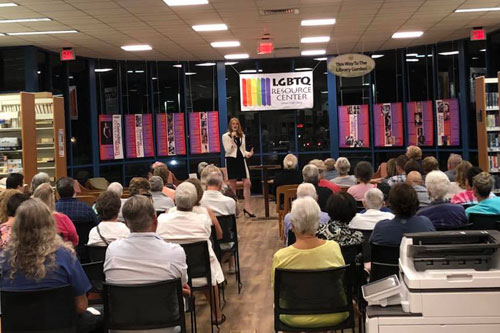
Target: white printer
x=450 y=283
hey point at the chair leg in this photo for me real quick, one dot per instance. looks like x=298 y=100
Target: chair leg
x=238 y=275
x=193 y=314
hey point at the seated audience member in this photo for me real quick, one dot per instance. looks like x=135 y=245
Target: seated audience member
x=226 y=190
x=117 y=188
x=487 y=204
x=164 y=173
x=343 y=179
x=161 y=201
x=441 y=212
x=459 y=184
x=453 y=162
x=308 y=252
x=310 y=174
x=4 y=198
x=15 y=181
x=468 y=197
x=430 y=163
x=330 y=172
x=404 y=204
x=64 y=225
x=363 y=173
x=391 y=168
x=139 y=186
x=373 y=202
x=341 y=208
x=183 y=226
x=77 y=211
x=412 y=165
x=38 y=179
x=201 y=166
x=414 y=178
x=6 y=228
x=289 y=175
x=400 y=176
x=213 y=197
x=322 y=181
x=414 y=153
x=109 y=229
x=37 y=258
x=304 y=190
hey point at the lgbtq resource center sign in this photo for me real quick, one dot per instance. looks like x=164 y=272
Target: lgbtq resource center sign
x=278 y=91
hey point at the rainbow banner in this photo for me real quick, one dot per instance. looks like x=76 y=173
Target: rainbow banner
x=278 y=91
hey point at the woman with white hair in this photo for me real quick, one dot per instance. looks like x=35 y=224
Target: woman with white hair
x=373 y=202
x=38 y=179
x=308 y=252
x=344 y=179
x=289 y=175
x=441 y=212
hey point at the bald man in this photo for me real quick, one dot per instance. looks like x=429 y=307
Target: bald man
x=414 y=178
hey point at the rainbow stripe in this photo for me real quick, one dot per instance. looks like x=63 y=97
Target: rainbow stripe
x=256 y=92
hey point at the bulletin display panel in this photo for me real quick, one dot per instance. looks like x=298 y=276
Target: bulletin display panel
x=354 y=126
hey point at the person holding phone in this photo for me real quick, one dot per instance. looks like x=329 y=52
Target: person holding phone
x=236 y=155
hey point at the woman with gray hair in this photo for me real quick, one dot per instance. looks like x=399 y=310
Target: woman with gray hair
x=289 y=175
x=344 y=179
x=441 y=212
x=308 y=252
x=38 y=179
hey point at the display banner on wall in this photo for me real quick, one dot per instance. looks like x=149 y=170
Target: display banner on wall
x=204 y=132
x=170 y=134
x=420 y=123
x=388 y=121
x=279 y=91
x=139 y=135
x=354 y=126
x=448 y=122
x=110 y=137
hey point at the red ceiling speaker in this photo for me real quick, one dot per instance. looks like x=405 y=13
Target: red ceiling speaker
x=266 y=45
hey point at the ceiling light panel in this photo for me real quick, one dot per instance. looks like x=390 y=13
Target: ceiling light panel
x=206 y=64
x=135 y=48
x=407 y=34
x=319 y=39
x=210 y=27
x=316 y=22
x=237 y=56
x=173 y=3
x=8 y=4
x=376 y=56
x=449 y=53
x=313 y=52
x=472 y=10
x=42 y=32
x=41 y=19
x=232 y=43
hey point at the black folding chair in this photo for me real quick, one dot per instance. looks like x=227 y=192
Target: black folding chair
x=83 y=230
x=43 y=310
x=291 y=237
x=385 y=261
x=312 y=292
x=359 y=206
x=484 y=221
x=144 y=306
x=96 y=253
x=353 y=256
x=95 y=274
x=229 y=242
x=367 y=251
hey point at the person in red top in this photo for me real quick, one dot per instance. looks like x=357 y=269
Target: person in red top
x=323 y=182
x=64 y=225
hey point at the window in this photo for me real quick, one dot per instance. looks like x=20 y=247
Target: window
x=106 y=72
x=388 y=87
x=419 y=73
x=12 y=69
x=201 y=87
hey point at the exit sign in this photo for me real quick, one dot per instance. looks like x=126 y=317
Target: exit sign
x=478 y=34
x=67 y=54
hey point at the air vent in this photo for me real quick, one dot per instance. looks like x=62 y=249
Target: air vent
x=268 y=12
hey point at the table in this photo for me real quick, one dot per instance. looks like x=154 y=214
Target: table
x=265 y=185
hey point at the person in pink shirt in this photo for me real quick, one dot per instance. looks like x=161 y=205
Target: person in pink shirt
x=323 y=182
x=64 y=225
x=363 y=173
x=5 y=228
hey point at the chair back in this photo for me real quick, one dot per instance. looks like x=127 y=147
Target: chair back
x=83 y=230
x=466 y=226
x=144 y=306
x=484 y=221
x=198 y=261
x=95 y=273
x=290 y=195
x=385 y=261
x=280 y=196
x=88 y=199
x=229 y=230
x=96 y=253
x=353 y=256
x=468 y=205
x=42 y=310
x=359 y=206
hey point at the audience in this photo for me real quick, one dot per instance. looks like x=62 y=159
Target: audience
x=139 y=185
x=15 y=181
x=308 y=252
x=487 y=204
x=404 y=204
x=289 y=175
x=322 y=181
x=343 y=166
x=459 y=184
x=38 y=179
x=330 y=173
x=400 y=176
x=161 y=201
x=77 y=211
x=4 y=198
x=214 y=199
x=414 y=178
x=412 y=165
x=341 y=208
x=442 y=213
x=363 y=173
x=109 y=229
x=373 y=201
x=453 y=162
x=65 y=227
x=13 y=203
x=391 y=168
x=116 y=188
x=430 y=163
x=310 y=174
x=414 y=153
x=226 y=190
x=468 y=196
x=162 y=171
x=201 y=166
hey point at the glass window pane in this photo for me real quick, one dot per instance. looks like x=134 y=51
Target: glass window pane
x=419 y=68
x=107 y=87
x=135 y=90
x=113 y=173
x=447 y=65
x=476 y=59
x=12 y=69
x=387 y=77
x=201 y=86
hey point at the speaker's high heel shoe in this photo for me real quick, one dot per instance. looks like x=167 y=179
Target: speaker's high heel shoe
x=245 y=212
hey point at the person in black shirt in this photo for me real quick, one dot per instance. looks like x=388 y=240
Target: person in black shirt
x=289 y=175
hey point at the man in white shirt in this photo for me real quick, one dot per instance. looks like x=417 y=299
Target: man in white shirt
x=214 y=199
x=373 y=201
x=161 y=201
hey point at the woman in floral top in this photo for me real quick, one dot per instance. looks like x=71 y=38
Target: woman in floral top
x=341 y=207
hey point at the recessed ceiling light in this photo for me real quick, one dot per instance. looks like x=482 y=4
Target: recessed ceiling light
x=475 y=58
x=140 y=71
x=206 y=64
x=407 y=34
x=429 y=55
x=308 y=23
x=324 y=92
x=42 y=32
x=102 y=70
x=177 y=66
x=172 y=3
x=482 y=50
x=376 y=56
x=40 y=72
x=470 y=10
x=412 y=54
x=448 y=53
x=231 y=43
x=319 y=39
x=312 y=52
x=412 y=60
x=8 y=4
x=321 y=59
x=154 y=78
x=230 y=63
x=130 y=72
x=420 y=55
x=248 y=71
x=135 y=48
x=237 y=56
x=189 y=73
x=26 y=20
x=210 y=27
x=300 y=69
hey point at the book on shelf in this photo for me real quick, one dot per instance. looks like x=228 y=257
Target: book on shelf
x=14 y=165
x=493 y=162
x=493 y=141
x=493 y=120
x=491 y=101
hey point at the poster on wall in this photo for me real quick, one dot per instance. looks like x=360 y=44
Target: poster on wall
x=388 y=121
x=448 y=122
x=110 y=137
x=420 y=123
x=139 y=135
x=170 y=134
x=279 y=91
x=204 y=132
x=354 y=127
